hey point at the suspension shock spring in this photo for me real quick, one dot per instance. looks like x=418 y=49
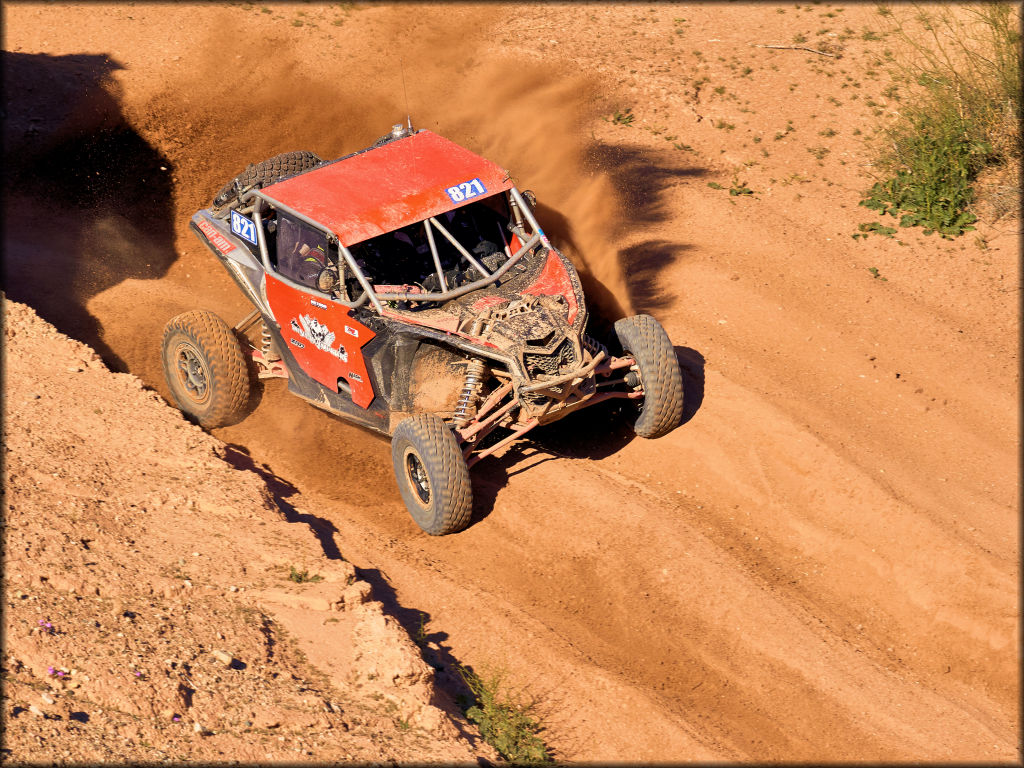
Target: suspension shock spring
x=267 y=342
x=474 y=378
x=592 y=345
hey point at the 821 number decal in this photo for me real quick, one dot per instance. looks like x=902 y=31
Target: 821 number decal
x=243 y=227
x=466 y=190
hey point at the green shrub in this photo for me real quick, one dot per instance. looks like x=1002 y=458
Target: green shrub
x=505 y=722
x=303 y=576
x=623 y=117
x=961 y=114
x=873 y=227
x=932 y=187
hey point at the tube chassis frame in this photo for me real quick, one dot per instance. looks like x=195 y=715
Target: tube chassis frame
x=517 y=403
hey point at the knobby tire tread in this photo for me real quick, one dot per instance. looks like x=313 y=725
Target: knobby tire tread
x=267 y=172
x=662 y=408
x=229 y=374
x=442 y=457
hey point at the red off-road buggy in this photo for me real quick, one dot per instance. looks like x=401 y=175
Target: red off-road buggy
x=408 y=288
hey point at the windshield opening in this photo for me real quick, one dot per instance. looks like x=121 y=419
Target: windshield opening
x=404 y=257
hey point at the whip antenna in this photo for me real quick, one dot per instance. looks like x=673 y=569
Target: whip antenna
x=405 y=92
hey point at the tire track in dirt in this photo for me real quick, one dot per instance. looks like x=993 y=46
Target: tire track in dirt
x=598 y=589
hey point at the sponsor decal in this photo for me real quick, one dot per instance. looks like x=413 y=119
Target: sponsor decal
x=298 y=344
x=351 y=331
x=220 y=242
x=316 y=303
x=319 y=335
x=354 y=376
x=466 y=190
x=243 y=227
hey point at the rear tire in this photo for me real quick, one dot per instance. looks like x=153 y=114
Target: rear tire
x=432 y=474
x=661 y=409
x=205 y=369
x=267 y=172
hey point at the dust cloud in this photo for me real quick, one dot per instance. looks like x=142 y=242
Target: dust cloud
x=243 y=101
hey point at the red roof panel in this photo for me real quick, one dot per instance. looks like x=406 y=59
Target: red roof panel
x=383 y=189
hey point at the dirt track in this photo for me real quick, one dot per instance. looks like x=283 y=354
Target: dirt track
x=820 y=564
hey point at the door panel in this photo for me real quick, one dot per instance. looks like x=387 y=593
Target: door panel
x=324 y=338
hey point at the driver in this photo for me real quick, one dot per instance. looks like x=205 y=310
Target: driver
x=309 y=264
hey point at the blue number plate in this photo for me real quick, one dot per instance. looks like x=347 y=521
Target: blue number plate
x=243 y=227
x=466 y=190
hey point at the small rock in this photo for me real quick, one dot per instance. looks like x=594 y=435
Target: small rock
x=197 y=727
x=267 y=720
x=74 y=369
x=36 y=711
x=46 y=699
x=223 y=657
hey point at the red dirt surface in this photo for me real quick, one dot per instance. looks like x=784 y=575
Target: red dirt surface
x=821 y=564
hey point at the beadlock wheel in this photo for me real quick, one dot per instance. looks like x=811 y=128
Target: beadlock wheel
x=193 y=375
x=205 y=369
x=432 y=474
x=417 y=476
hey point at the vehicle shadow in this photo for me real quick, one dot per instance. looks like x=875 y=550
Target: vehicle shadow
x=88 y=203
x=592 y=433
x=488 y=478
x=691 y=364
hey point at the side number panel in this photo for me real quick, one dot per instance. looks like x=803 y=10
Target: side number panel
x=324 y=338
x=243 y=227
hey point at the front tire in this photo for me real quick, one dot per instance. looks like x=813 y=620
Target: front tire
x=205 y=369
x=432 y=474
x=661 y=409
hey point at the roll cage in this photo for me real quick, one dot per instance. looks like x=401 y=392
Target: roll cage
x=522 y=224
